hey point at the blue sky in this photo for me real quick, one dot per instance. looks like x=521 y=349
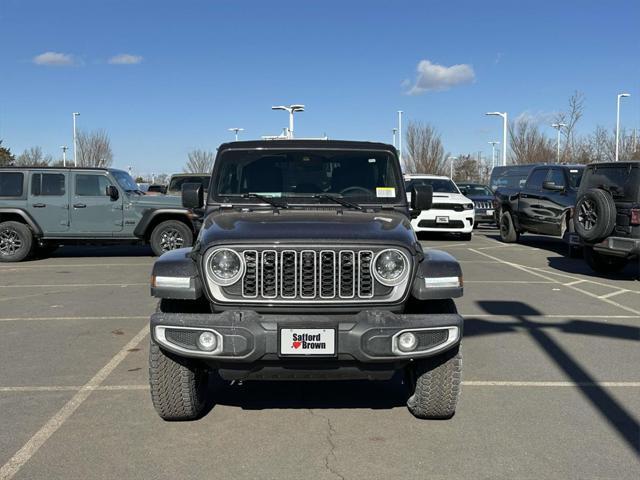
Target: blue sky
x=192 y=69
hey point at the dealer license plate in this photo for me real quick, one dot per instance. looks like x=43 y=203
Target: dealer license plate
x=490 y=211
x=307 y=341
x=442 y=219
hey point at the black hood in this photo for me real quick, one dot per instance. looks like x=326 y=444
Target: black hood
x=480 y=198
x=313 y=225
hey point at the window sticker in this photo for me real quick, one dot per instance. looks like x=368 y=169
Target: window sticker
x=385 y=192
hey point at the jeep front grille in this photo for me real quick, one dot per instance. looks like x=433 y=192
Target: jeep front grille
x=483 y=204
x=303 y=275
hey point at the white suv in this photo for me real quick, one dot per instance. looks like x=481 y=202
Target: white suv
x=451 y=211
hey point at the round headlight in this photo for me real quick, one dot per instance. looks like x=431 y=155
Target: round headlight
x=390 y=267
x=226 y=266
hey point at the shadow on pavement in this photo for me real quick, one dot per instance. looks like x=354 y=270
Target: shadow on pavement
x=609 y=408
x=78 y=251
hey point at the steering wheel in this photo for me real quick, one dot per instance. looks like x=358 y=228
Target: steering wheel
x=346 y=191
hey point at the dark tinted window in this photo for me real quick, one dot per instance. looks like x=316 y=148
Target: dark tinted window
x=474 y=190
x=440 y=185
x=622 y=181
x=534 y=182
x=176 y=182
x=368 y=176
x=48 y=184
x=557 y=176
x=11 y=184
x=91 y=185
x=575 y=176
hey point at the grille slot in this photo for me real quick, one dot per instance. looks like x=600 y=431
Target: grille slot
x=346 y=275
x=250 y=280
x=327 y=274
x=365 y=279
x=307 y=274
x=269 y=274
x=288 y=277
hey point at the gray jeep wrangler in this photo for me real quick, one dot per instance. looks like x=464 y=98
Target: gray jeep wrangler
x=42 y=208
x=306 y=267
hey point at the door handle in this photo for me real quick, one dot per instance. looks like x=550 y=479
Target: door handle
x=79 y=205
x=38 y=205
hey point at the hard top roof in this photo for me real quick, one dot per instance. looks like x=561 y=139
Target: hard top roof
x=304 y=143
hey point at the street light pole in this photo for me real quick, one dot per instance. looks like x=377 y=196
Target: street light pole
x=504 y=134
x=236 y=130
x=394 y=130
x=451 y=160
x=493 y=153
x=400 y=136
x=620 y=95
x=558 y=126
x=75 y=140
x=64 y=155
x=291 y=109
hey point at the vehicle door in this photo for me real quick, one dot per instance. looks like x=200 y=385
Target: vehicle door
x=48 y=201
x=531 y=208
x=93 y=211
x=555 y=201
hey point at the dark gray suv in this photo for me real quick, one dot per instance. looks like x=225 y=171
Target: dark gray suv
x=41 y=208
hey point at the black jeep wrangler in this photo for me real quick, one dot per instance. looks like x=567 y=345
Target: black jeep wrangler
x=607 y=215
x=306 y=267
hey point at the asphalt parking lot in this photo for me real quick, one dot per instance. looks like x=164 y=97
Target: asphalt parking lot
x=551 y=382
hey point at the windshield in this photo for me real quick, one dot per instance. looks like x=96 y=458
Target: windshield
x=125 y=181
x=176 y=182
x=440 y=185
x=575 y=175
x=363 y=176
x=475 y=190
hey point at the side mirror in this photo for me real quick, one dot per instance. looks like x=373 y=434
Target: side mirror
x=192 y=195
x=421 y=197
x=112 y=193
x=552 y=186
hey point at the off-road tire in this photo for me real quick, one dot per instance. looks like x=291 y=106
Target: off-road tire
x=178 y=386
x=601 y=263
x=10 y=233
x=435 y=384
x=508 y=232
x=595 y=215
x=466 y=237
x=169 y=235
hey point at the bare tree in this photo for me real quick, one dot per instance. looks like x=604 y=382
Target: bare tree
x=33 y=157
x=200 y=161
x=466 y=169
x=94 y=149
x=528 y=144
x=162 y=178
x=570 y=118
x=424 y=150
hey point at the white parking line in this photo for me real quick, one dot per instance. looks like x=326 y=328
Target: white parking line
x=71 y=388
x=613 y=294
x=35 y=319
x=29 y=449
x=76 y=285
x=572 y=287
x=575 y=282
x=509 y=281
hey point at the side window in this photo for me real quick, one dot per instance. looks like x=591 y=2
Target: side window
x=11 y=184
x=48 y=184
x=91 y=185
x=557 y=176
x=534 y=182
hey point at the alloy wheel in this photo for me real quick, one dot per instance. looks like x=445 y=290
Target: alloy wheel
x=588 y=215
x=10 y=242
x=171 y=239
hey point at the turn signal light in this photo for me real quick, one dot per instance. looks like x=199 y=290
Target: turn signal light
x=635 y=216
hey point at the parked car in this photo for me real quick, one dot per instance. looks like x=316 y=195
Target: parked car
x=179 y=179
x=41 y=208
x=544 y=205
x=306 y=268
x=510 y=176
x=607 y=217
x=156 y=189
x=482 y=198
x=451 y=211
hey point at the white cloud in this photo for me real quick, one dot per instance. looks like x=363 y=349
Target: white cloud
x=54 y=59
x=536 y=118
x=436 y=78
x=125 y=59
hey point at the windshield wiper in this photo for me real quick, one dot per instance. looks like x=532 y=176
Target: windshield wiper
x=265 y=199
x=339 y=200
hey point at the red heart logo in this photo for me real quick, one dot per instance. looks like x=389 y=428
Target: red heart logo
x=297 y=344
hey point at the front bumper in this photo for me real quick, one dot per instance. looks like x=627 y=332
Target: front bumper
x=484 y=216
x=248 y=337
x=460 y=222
x=619 y=246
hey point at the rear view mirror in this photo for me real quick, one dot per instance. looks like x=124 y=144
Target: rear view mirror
x=112 y=193
x=192 y=195
x=552 y=186
x=421 y=197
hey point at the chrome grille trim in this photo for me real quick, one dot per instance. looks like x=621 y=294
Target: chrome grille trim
x=283 y=279
x=352 y=288
x=365 y=271
x=332 y=254
x=274 y=255
x=303 y=275
x=251 y=273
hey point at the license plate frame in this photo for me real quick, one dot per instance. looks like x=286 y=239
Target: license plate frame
x=286 y=339
x=442 y=219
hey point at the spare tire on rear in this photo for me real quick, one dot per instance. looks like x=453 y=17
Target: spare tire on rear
x=595 y=215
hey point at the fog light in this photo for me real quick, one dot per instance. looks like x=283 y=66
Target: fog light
x=407 y=342
x=207 y=341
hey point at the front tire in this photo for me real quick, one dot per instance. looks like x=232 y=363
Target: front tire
x=600 y=263
x=170 y=235
x=16 y=241
x=178 y=385
x=435 y=385
x=508 y=232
